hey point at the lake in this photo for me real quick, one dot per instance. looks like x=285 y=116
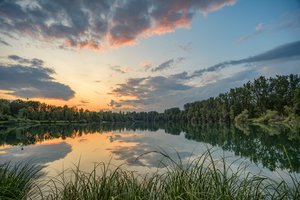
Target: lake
x=269 y=151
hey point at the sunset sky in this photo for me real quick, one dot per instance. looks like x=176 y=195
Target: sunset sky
x=142 y=54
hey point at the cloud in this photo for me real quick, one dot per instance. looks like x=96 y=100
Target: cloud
x=214 y=88
x=281 y=52
x=171 y=14
x=146 y=91
x=133 y=14
x=120 y=69
x=94 y=24
x=29 y=78
x=164 y=65
x=132 y=155
x=114 y=104
x=287 y=51
x=168 y=64
x=142 y=87
x=290 y=21
x=32 y=62
x=84 y=101
x=258 y=29
x=4 y=43
x=146 y=65
x=142 y=155
x=186 y=47
x=36 y=154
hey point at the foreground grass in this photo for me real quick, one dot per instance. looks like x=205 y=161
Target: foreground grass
x=17 y=182
x=200 y=178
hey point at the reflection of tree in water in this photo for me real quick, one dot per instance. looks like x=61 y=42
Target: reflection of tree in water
x=32 y=134
x=253 y=142
x=257 y=144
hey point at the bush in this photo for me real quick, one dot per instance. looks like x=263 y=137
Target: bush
x=243 y=117
x=270 y=117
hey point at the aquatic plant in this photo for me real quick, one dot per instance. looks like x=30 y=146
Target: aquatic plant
x=197 y=178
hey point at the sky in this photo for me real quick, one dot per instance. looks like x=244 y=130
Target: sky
x=142 y=54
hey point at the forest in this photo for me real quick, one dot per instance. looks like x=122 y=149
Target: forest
x=264 y=100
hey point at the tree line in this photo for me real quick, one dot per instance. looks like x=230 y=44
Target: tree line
x=269 y=97
x=275 y=97
x=34 y=110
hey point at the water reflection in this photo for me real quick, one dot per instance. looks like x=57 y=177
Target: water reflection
x=273 y=147
x=36 y=154
x=274 y=151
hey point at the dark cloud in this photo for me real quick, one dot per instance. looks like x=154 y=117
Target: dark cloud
x=148 y=90
x=32 y=81
x=131 y=18
x=164 y=65
x=84 y=101
x=33 y=62
x=142 y=87
x=132 y=155
x=119 y=69
x=4 y=43
x=88 y=24
x=168 y=64
x=282 y=52
x=114 y=104
x=181 y=76
x=186 y=47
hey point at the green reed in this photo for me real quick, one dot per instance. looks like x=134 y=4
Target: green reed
x=198 y=178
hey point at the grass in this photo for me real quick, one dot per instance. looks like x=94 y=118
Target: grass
x=17 y=181
x=198 y=178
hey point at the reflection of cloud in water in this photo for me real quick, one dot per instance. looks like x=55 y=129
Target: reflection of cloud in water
x=82 y=140
x=140 y=154
x=143 y=155
x=37 y=154
x=113 y=138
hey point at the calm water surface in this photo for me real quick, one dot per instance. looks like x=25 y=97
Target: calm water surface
x=262 y=149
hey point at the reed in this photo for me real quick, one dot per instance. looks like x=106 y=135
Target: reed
x=198 y=178
x=17 y=181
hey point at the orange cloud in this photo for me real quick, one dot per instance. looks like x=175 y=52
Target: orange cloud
x=164 y=26
x=121 y=41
